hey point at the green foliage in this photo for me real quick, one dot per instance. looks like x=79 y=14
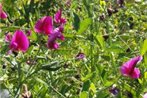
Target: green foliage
x=84 y=25
x=144 y=48
x=107 y=40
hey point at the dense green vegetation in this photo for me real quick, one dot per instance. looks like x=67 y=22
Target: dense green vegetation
x=99 y=37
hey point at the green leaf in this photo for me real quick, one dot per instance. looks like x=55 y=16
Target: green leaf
x=41 y=81
x=144 y=47
x=140 y=81
x=84 y=94
x=76 y=21
x=52 y=67
x=115 y=48
x=102 y=3
x=65 y=89
x=145 y=75
x=108 y=83
x=86 y=86
x=100 y=40
x=84 y=25
x=88 y=76
x=30 y=49
x=92 y=87
x=145 y=58
x=33 y=36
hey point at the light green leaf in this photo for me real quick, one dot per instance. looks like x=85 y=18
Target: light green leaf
x=100 y=40
x=41 y=81
x=33 y=36
x=76 y=21
x=92 y=87
x=88 y=76
x=84 y=25
x=145 y=75
x=52 y=67
x=84 y=94
x=144 y=47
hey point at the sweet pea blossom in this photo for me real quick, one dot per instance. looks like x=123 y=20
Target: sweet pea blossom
x=57 y=34
x=19 y=41
x=58 y=18
x=54 y=32
x=129 y=69
x=44 y=25
x=3 y=15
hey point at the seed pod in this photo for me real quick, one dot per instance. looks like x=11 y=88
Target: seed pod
x=120 y=3
x=128 y=50
x=4 y=66
x=102 y=17
x=105 y=37
x=114 y=90
x=110 y=11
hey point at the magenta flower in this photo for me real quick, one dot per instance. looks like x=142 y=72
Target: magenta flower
x=19 y=41
x=129 y=69
x=57 y=34
x=3 y=15
x=44 y=25
x=58 y=18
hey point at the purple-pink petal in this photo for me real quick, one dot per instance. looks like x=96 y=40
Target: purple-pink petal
x=135 y=74
x=44 y=25
x=52 y=44
x=132 y=62
x=19 y=41
x=3 y=14
x=58 y=18
x=129 y=69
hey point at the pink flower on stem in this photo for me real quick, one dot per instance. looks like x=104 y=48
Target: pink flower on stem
x=3 y=15
x=129 y=69
x=44 y=25
x=19 y=41
x=58 y=18
x=57 y=34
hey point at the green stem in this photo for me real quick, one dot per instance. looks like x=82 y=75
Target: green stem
x=19 y=81
x=57 y=92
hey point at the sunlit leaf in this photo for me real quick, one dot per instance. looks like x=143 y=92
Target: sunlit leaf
x=76 y=22
x=84 y=94
x=84 y=25
x=92 y=87
x=144 y=47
